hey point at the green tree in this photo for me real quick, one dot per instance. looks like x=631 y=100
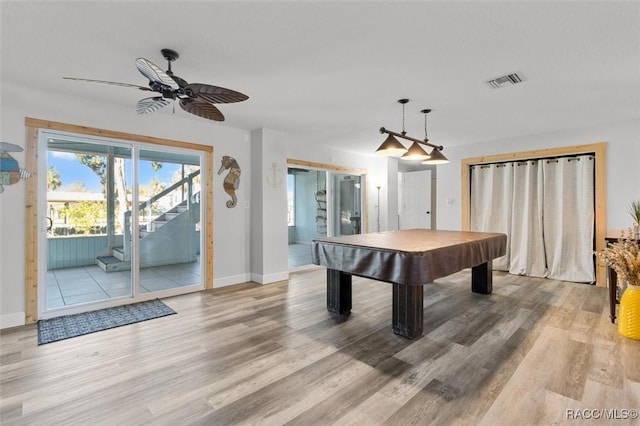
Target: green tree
x=152 y=188
x=86 y=215
x=149 y=190
x=53 y=179
x=98 y=163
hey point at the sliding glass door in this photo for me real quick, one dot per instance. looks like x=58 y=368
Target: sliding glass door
x=321 y=203
x=122 y=222
x=168 y=220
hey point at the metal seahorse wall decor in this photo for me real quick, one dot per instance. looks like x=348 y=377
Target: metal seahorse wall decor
x=232 y=180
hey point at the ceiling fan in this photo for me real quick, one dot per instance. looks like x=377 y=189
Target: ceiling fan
x=195 y=98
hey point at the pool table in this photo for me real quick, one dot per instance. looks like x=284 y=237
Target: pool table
x=408 y=259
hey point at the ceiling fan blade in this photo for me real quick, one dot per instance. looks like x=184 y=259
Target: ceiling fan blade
x=215 y=94
x=154 y=73
x=201 y=109
x=179 y=81
x=110 y=83
x=147 y=105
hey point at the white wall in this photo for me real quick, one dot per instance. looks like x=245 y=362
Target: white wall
x=269 y=232
x=623 y=161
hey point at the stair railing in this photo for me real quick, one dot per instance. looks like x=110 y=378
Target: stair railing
x=127 y=215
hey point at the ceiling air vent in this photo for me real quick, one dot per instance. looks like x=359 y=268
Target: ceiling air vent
x=505 y=80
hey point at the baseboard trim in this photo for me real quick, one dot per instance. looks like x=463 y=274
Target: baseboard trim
x=12 y=320
x=270 y=278
x=234 y=279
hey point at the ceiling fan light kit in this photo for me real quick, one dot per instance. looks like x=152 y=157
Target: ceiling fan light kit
x=195 y=98
x=392 y=147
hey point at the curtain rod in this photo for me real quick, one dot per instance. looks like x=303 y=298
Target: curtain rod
x=553 y=157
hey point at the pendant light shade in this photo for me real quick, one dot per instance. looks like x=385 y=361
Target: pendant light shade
x=391 y=147
x=415 y=152
x=437 y=157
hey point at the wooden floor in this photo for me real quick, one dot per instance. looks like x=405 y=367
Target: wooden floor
x=534 y=352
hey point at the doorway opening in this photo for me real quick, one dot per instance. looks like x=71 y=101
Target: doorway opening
x=323 y=201
x=414 y=200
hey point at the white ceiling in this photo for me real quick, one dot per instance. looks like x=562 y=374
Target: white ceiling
x=331 y=72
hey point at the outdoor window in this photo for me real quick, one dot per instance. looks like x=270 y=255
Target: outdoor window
x=291 y=200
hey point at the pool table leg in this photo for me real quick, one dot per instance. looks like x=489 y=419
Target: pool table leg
x=407 y=310
x=338 y=292
x=482 y=278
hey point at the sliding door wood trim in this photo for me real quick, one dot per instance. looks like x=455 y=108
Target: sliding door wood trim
x=600 y=151
x=113 y=134
x=31 y=227
x=33 y=127
x=324 y=166
x=208 y=187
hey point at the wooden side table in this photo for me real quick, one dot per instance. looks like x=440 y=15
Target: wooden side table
x=611 y=237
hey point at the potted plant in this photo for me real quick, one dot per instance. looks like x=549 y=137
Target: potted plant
x=624 y=257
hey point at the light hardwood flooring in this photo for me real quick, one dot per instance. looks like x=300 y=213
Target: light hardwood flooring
x=273 y=355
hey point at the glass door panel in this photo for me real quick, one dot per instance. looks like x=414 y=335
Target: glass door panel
x=168 y=220
x=87 y=187
x=307 y=195
x=347 y=204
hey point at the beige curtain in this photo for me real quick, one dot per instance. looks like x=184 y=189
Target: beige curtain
x=547 y=209
x=491 y=203
x=569 y=218
x=526 y=233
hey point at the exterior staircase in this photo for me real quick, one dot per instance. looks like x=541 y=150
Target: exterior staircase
x=169 y=238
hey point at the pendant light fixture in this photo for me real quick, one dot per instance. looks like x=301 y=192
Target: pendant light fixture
x=392 y=147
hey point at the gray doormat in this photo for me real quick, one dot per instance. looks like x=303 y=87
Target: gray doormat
x=65 y=327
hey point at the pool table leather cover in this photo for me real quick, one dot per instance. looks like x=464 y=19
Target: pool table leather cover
x=410 y=257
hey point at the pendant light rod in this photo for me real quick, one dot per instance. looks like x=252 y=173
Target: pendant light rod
x=409 y=138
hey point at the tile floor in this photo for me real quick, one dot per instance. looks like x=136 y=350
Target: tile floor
x=70 y=286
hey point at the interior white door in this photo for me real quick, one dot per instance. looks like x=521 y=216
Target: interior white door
x=414 y=204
